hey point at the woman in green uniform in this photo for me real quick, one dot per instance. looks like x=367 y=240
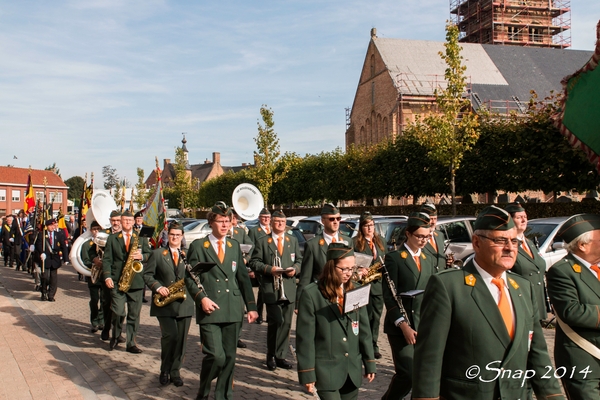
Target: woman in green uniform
x=333 y=346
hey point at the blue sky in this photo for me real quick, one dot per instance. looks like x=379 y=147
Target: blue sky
x=91 y=83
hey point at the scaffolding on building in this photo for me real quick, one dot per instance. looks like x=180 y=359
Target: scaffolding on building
x=538 y=23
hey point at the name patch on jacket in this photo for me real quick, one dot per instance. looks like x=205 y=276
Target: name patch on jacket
x=233 y=266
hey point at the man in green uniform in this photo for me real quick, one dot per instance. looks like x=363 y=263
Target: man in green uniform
x=166 y=267
x=220 y=299
x=115 y=227
x=315 y=250
x=437 y=242
x=261 y=230
x=276 y=258
x=530 y=264
x=118 y=251
x=89 y=256
x=479 y=336
x=574 y=290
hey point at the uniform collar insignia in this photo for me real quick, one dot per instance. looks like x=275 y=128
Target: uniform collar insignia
x=513 y=283
x=120 y=235
x=423 y=256
x=404 y=254
x=321 y=242
x=206 y=244
x=287 y=239
x=470 y=280
x=228 y=243
x=435 y=233
x=165 y=252
x=270 y=240
x=235 y=231
x=577 y=268
x=260 y=229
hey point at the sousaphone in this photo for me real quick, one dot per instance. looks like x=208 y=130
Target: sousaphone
x=247 y=201
x=102 y=205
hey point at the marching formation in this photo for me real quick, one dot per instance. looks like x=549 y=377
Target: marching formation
x=472 y=332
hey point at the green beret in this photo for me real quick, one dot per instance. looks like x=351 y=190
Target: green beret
x=138 y=214
x=339 y=250
x=278 y=214
x=429 y=209
x=49 y=222
x=514 y=208
x=175 y=225
x=329 y=209
x=578 y=225
x=95 y=224
x=220 y=208
x=115 y=213
x=419 y=219
x=493 y=218
x=366 y=216
x=264 y=211
x=127 y=213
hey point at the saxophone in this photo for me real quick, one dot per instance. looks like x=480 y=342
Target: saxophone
x=373 y=274
x=131 y=267
x=176 y=292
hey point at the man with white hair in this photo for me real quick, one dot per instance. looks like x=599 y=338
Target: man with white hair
x=574 y=290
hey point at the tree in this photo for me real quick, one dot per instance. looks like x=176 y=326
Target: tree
x=141 y=193
x=451 y=131
x=183 y=192
x=111 y=179
x=53 y=168
x=267 y=154
x=76 y=186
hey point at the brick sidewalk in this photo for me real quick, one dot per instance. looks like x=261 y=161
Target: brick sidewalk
x=50 y=353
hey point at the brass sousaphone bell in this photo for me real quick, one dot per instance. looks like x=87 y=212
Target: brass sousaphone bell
x=247 y=201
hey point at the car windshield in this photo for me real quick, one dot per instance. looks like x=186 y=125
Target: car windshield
x=191 y=226
x=347 y=228
x=308 y=226
x=538 y=233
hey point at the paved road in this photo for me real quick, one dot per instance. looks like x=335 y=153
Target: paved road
x=48 y=352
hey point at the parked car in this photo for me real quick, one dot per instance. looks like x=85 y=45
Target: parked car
x=182 y=221
x=542 y=232
x=310 y=226
x=196 y=230
x=293 y=221
x=301 y=239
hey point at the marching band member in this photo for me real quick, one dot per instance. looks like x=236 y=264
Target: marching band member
x=315 y=250
x=278 y=287
x=437 y=241
x=368 y=242
x=261 y=230
x=332 y=347
x=115 y=227
x=165 y=268
x=224 y=290
x=409 y=268
x=116 y=256
x=52 y=256
x=89 y=256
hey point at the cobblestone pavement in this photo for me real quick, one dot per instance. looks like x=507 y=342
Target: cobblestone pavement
x=49 y=352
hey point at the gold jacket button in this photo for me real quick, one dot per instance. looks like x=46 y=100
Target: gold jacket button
x=226 y=280
x=217 y=280
x=344 y=339
x=345 y=354
x=227 y=290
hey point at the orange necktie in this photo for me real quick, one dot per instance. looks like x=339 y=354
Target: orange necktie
x=280 y=245
x=175 y=258
x=372 y=247
x=504 y=306
x=220 y=254
x=597 y=269
x=268 y=231
x=526 y=248
x=126 y=242
x=333 y=239
x=432 y=242
x=341 y=303
x=418 y=262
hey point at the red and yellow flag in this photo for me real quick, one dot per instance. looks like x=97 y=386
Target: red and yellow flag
x=29 y=203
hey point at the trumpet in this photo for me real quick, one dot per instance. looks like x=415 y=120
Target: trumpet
x=278 y=279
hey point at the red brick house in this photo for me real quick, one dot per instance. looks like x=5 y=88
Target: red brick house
x=13 y=186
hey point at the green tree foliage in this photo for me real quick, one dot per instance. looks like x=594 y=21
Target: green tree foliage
x=53 y=168
x=76 y=185
x=221 y=188
x=141 y=193
x=450 y=131
x=267 y=153
x=183 y=192
x=111 y=179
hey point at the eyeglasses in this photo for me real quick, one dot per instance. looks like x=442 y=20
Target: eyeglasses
x=369 y=226
x=502 y=241
x=346 y=270
x=222 y=221
x=421 y=237
x=174 y=235
x=331 y=219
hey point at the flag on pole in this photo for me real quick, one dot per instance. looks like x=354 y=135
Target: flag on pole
x=154 y=210
x=578 y=118
x=61 y=222
x=29 y=203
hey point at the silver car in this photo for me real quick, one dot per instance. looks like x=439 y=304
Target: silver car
x=542 y=232
x=196 y=230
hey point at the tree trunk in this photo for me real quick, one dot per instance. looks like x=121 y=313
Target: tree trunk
x=453 y=189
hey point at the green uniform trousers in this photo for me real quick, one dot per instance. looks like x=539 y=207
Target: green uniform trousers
x=133 y=299
x=278 y=329
x=219 y=345
x=402 y=354
x=375 y=309
x=173 y=338
x=581 y=389
x=96 y=304
x=106 y=309
x=347 y=392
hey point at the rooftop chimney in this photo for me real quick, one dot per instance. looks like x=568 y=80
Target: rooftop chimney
x=216 y=158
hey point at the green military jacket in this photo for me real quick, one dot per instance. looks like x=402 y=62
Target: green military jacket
x=115 y=256
x=376 y=286
x=438 y=258
x=575 y=295
x=405 y=274
x=464 y=351
x=313 y=260
x=162 y=271
x=533 y=269
x=242 y=237
x=256 y=233
x=329 y=347
x=262 y=261
x=227 y=283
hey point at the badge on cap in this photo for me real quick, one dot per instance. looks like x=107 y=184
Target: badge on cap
x=513 y=283
x=577 y=268
x=470 y=280
x=404 y=254
x=355 y=328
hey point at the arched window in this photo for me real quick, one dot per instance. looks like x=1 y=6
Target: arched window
x=372 y=65
x=361 y=136
x=385 y=128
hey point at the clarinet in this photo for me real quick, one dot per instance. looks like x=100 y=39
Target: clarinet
x=392 y=287
x=188 y=267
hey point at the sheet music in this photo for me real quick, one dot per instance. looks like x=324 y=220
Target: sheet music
x=356 y=298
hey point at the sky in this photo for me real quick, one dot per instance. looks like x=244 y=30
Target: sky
x=85 y=84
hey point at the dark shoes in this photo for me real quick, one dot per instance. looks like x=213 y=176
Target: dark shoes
x=121 y=339
x=377 y=355
x=200 y=397
x=113 y=344
x=94 y=329
x=177 y=381
x=105 y=335
x=259 y=320
x=282 y=363
x=241 y=345
x=271 y=363
x=144 y=300
x=37 y=288
x=134 y=350
x=163 y=378
x=44 y=298
x=51 y=299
